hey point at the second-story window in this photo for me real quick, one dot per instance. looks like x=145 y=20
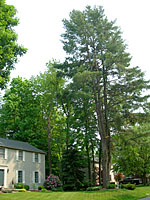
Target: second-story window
x=20 y=156
x=36 y=157
x=2 y=153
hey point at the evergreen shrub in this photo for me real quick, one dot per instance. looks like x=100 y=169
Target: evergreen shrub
x=128 y=186
x=19 y=185
x=110 y=186
x=40 y=187
x=27 y=187
x=94 y=188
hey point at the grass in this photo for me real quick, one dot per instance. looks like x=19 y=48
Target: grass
x=139 y=192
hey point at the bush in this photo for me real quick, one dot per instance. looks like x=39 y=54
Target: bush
x=128 y=186
x=40 y=187
x=26 y=187
x=52 y=182
x=21 y=190
x=6 y=191
x=43 y=190
x=94 y=188
x=58 y=189
x=110 y=186
x=118 y=177
x=19 y=185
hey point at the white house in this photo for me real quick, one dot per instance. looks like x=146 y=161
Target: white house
x=21 y=162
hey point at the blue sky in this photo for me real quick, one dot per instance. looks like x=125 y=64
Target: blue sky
x=41 y=25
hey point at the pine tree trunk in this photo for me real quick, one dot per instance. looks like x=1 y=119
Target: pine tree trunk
x=89 y=163
x=93 y=166
x=100 y=162
x=103 y=132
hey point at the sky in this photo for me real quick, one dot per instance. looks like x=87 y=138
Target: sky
x=41 y=26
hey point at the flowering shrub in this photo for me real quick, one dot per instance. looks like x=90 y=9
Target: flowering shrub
x=52 y=182
x=118 y=177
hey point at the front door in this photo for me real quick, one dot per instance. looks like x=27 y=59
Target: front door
x=1 y=177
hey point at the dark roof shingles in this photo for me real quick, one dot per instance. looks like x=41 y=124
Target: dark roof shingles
x=14 y=144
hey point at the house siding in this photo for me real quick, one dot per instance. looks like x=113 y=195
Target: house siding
x=12 y=165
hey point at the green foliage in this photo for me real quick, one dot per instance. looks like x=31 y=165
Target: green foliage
x=9 y=49
x=97 y=57
x=131 y=151
x=27 y=187
x=43 y=190
x=139 y=193
x=19 y=185
x=22 y=190
x=6 y=191
x=128 y=186
x=94 y=188
x=40 y=187
x=110 y=186
x=72 y=169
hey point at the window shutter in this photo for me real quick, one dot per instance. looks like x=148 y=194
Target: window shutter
x=23 y=178
x=23 y=155
x=6 y=153
x=39 y=177
x=33 y=157
x=39 y=158
x=17 y=155
x=33 y=177
x=16 y=176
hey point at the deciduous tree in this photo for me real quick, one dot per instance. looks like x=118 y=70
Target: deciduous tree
x=9 y=49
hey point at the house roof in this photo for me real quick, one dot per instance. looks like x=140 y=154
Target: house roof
x=14 y=144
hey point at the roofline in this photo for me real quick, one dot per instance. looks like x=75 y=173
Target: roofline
x=22 y=149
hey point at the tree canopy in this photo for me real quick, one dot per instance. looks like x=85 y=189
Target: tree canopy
x=92 y=106
x=9 y=48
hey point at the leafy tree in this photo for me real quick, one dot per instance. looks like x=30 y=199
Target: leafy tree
x=20 y=113
x=131 y=151
x=48 y=86
x=9 y=49
x=96 y=50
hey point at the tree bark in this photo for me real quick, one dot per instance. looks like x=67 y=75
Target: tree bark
x=100 y=162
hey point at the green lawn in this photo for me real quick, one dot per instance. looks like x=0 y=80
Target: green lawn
x=99 y=195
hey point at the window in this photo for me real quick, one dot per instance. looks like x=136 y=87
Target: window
x=36 y=177
x=20 y=156
x=20 y=176
x=2 y=153
x=36 y=157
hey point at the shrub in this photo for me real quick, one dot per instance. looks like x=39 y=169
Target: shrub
x=94 y=188
x=19 y=186
x=40 y=187
x=128 y=186
x=43 y=190
x=58 y=189
x=110 y=186
x=21 y=190
x=52 y=182
x=26 y=187
x=6 y=191
x=118 y=177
